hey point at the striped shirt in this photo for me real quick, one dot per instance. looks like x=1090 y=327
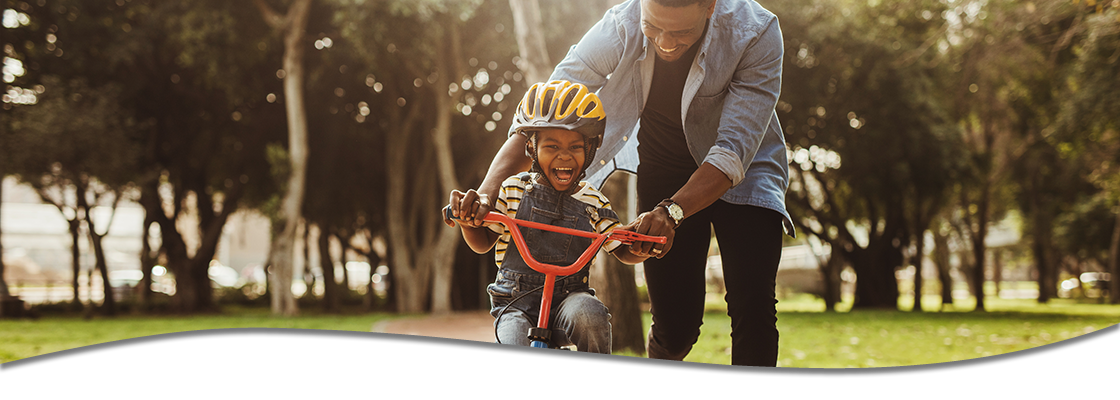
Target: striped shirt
x=509 y=199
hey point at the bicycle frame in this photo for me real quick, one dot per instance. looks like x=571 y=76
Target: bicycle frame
x=551 y=271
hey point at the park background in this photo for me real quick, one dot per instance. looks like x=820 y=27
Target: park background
x=209 y=139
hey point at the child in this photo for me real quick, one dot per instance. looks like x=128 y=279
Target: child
x=563 y=137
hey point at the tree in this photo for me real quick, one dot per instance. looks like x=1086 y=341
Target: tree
x=1007 y=112
x=1087 y=129
x=80 y=148
x=534 y=61
x=870 y=93
x=614 y=281
x=433 y=107
x=293 y=26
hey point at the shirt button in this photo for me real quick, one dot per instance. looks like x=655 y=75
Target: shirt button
x=585 y=279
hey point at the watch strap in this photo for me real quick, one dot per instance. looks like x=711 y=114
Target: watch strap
x=668 y=203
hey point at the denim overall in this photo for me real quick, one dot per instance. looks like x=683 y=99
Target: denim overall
x=542 y=203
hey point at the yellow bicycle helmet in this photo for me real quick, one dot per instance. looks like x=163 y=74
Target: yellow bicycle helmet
x=564 y=105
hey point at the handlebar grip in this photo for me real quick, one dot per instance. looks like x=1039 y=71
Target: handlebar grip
x=447 y=213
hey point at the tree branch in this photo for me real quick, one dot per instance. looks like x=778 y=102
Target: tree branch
x=271 y=17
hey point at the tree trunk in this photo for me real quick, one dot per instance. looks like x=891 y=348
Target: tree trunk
x=4 y=293
x=1114 y=259
x=1040 y=223
x=876 y=285
x=1045 y=268
x=411 y=279
x=443 y=249
x=75 y=226
x=294 y=26
x=326 y=263
x=148 y=260
x=997 y=269
x=109 y=304
x=613 y=280
x=308 y=274
x=193 y=290
x=941 y=258
x=832 y=282
x=919 y=248
x=374 y=260
x=149 y=193
x=530 y=40
x=979 y=248
x=343 y=244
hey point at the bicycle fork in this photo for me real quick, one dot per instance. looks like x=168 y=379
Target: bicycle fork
x=541 y=335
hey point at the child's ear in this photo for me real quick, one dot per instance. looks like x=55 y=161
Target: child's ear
x=529 y=150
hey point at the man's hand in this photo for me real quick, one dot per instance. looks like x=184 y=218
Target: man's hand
x=653 y=223
x=470 y=207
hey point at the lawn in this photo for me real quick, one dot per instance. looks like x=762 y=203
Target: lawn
x=809 y=338
x=881 y=338
x=27 y=338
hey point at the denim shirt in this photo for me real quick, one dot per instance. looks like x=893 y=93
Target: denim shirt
x=728 y=106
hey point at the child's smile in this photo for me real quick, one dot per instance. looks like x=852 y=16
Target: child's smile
x=561 y=154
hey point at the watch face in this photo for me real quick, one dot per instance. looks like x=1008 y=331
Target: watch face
x=675 y=212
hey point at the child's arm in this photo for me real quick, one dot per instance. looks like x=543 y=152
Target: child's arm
x=623 y=254
x=481 y=240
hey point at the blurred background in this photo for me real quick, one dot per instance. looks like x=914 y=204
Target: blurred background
x=181 y=156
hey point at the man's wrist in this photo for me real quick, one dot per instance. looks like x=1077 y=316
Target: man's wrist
x=672 y=210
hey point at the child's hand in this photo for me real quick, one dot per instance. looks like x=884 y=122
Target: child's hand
x=470 y=208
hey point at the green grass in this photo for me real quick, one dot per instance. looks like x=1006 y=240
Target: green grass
x=25 y=338
x=809 y=338
x=883 y=338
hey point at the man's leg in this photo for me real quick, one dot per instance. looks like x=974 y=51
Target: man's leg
x=675 y=282
x=751 y=246
x=586 y=321
x=677 y=287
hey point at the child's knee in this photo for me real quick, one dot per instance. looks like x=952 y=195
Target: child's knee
x=588 y=310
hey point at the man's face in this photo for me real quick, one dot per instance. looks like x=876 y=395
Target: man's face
x=674 y=29
x=561 y=154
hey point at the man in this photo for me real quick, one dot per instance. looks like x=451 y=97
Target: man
x=696 y=81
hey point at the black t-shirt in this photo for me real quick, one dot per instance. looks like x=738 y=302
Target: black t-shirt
x=661 y=143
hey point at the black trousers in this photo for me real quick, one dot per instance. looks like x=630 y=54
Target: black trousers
x=750 y=242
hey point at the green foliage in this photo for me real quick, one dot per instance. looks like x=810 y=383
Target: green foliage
x=74 y=129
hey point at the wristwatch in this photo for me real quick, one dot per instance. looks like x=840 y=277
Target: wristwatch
x=674 y=210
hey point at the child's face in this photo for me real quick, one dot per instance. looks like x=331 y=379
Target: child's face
x=561 y=154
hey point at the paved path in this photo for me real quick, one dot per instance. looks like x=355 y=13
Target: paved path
x=466 y=325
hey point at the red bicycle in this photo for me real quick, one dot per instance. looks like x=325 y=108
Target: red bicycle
x=541 y=336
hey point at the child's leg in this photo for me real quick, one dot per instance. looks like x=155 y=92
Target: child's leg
x=513 y=327
x=587 y=322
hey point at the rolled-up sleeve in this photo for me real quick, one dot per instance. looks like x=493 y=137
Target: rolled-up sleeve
x=728 y=162
x=747 y=111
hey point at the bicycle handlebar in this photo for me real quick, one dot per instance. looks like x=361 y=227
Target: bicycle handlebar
x=549 y=270
x=514 y=225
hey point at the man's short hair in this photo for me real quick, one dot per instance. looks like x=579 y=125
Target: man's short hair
x=683 y=3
